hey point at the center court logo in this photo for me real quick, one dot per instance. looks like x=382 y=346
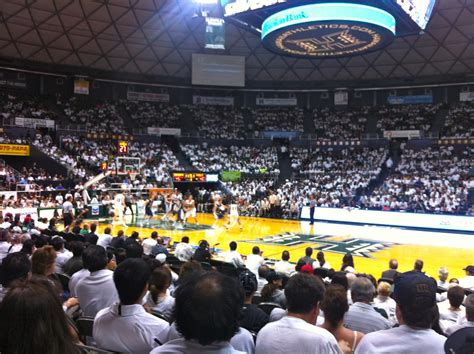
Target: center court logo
x=324 y=40
x=357 y=247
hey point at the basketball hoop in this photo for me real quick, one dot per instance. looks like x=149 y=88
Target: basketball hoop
x=133 y=175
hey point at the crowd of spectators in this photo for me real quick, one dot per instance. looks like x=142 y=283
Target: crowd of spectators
x=216 y=122
x=148 y=296
x=149 y=114
x=406 y=117
x=20 y=105
x=96 y=117
x=459 y=121
x=246 y=159
x=340 y=124
x=434 y=179
x=278 y=119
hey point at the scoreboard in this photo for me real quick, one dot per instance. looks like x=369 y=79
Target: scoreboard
x=199 y=177
x=328 y=28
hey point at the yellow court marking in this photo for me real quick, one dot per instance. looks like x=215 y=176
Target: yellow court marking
x=433 y=249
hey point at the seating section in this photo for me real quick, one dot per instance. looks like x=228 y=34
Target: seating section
x=148 y=114
x=94 y=116
x=459 y=122
x=344 y=124
x=434 y=179
x=406 y=117
x=246 y=159
x=278 y=119
x=22 y=105
x=214 y=122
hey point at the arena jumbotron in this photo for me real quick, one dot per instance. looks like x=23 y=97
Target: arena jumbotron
x=236 y=176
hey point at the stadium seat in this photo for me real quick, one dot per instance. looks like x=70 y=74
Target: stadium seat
x=267 y=307
x=85 y=326
x=160 y=315
x=64 y=280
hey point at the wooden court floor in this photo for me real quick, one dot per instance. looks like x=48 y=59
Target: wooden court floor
x=372 y=247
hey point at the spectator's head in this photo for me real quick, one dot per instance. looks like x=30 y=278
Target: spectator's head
x=134 y=250
x=418 y=266
x=58 y=243
x=308 y=251
x=28 y=247
x=256 y=250
x=160 y=281
x=120 y=233
x=469 y=305
x=94 y=258
x=285 y=256
x=93 y=227
x=208 y=308
x=203 y=244
x=341 y=279
x=120 y=255
x=415 y=295
x=320 y=257
x=362 y=290
x=185 y=239
x=347 y=261
x=154 y=235
x=233 y=246
x=5 y=235
x=134 y=235
x=334 y=305
x=189 y=270
x=469 y=270
x=383 y=289
x=15 y=266
x=263 y=271
x=455 y=296
x=249 y=283
x=107 y=230
x=131 y=280
x=303 y=293
x=42 y=261
x=76 y=247
x=443 y=273
x=393 y=264
x=32 y=319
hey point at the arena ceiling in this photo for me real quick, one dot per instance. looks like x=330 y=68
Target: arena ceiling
x=155 y=38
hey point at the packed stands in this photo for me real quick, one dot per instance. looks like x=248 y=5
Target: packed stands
x=406 y=117
x=340 y=124
x=215 y=122
x=246 y=159
x=149 y=114
x=434 y=179
x=459 y=122
x=278 y=119
x=21 y=105
x=97 y=117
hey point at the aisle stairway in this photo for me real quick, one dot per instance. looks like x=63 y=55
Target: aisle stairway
x=284 y=164
x=308 y=123
x=438 y=122
x=173 y=143
x=186 y=122
x=127 y=120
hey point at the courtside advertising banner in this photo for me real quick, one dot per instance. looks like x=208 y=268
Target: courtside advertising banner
x=14 y=150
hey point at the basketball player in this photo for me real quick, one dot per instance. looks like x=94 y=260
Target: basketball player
x=119 y=206
x=233 y=217
x=189 y=206
x=168 y=207
x=219 y=210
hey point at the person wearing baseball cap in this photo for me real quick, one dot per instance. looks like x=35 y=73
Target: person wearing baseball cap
x=253 y=318
x=468 y=281
x=415 y=295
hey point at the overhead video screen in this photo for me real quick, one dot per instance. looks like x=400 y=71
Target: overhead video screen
x=419 y=10
x=218 y=70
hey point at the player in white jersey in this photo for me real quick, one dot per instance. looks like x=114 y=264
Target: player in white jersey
x=189 y=206
x=234 y=217
x=119 y=207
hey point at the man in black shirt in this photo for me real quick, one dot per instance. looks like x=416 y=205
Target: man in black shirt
x=253 y=318
x=91 y=238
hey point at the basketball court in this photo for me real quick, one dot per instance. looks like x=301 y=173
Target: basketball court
x=371 y=246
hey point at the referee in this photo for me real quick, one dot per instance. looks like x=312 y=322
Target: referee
x=68 y=212
x=312 y=207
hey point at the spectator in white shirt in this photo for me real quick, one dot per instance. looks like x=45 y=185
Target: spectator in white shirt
x=97 y=290
x=384 y=302
x=254 y=260
x=126 y=326
x=443 y=275
x=284 y=266
x=208 y=308
x=296 y=332
x=158 y=298
x=469 y=320
x=184 y=251
x=149 y=243
x=362 y=316
x=233 y=257
x=468 y=281
x=449 y=316
x=105 y=239
x=5 y=238
x=415 y=295
x=63 y=255
x=321 y=261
